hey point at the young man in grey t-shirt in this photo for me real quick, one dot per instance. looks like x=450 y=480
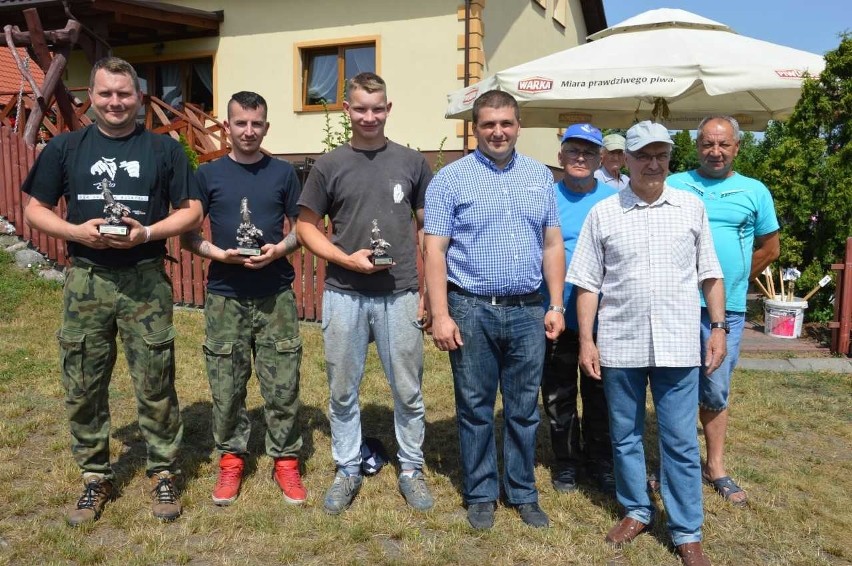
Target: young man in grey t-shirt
x=369 y=179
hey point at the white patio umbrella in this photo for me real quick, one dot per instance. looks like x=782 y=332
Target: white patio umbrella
x=669 y=65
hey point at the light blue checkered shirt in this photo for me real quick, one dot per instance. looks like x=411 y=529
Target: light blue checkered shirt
x=495 y=221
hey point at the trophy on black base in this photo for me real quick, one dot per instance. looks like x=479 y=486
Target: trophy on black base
x=247 y=233
x=379 y=246
x=113 y=212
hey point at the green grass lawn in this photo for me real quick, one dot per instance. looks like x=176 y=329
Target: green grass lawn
x=789 y=447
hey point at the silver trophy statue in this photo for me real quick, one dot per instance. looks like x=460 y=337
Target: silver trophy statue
x=379 y=246
x=247 y=234
x=113 y=212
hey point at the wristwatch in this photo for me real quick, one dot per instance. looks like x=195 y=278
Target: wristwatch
x=723 y=325
x=560 y=310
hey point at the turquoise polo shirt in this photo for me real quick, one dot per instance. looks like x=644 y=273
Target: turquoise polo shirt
x=739 y=209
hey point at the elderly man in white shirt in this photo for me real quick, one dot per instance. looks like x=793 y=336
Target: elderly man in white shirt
x=646 y=250
x=612 y=160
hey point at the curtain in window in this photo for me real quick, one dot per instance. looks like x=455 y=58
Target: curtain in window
x=170 y=85
x=359 y=60
x=322 y=79
x=204 y=70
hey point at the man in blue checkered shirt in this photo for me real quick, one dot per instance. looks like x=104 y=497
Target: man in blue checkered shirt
x=492 y=232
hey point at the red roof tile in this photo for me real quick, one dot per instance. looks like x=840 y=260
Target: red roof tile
x=10 y=76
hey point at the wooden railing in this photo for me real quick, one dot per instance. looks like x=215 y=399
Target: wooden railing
x=203 y=133
x=52 y=123
x=188 y=271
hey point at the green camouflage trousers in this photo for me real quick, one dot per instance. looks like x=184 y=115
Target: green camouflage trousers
x=267 y=329
x=135 y=303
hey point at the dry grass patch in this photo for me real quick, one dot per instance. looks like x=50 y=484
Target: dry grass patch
x=790 y=448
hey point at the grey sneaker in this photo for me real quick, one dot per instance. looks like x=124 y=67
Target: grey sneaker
x=414 y=489
x=481 y=515
x=341 y=492
x=565 y=480
x=533 y=515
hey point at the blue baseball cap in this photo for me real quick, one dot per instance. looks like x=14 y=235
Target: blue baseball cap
x=585 y=132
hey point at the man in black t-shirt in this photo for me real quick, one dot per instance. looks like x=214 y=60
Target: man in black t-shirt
x=370 y=180
x=250 y=310
x=116 y=283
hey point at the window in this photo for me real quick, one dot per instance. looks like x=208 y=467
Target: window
x=174 y=82
x=326 y=68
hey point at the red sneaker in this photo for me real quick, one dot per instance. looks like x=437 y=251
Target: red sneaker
x=230 y=476
x=286 y=475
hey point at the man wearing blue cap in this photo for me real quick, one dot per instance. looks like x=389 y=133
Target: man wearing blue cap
x=646 y=252
x=576 y=194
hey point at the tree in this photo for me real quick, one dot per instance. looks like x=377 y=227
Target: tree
x=684 y=153
x=808 y=167
x=750 y=155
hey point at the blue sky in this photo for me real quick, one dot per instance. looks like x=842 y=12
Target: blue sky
x=810 y=25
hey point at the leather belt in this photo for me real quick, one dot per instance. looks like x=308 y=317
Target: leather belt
x=499 y=300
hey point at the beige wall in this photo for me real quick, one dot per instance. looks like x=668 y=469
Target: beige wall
x=519 y=31
x=416 y=55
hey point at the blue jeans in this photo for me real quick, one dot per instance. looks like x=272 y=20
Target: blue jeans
x=675 y=394
x=350 y=322
x=713 y=389
x=503 y=347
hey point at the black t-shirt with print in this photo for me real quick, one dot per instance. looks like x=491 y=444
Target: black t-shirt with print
x=131 y=167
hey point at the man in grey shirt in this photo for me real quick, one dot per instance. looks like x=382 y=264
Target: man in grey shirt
x=369 y=179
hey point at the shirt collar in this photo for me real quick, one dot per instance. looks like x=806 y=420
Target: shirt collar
x=629 y=200
x=606 y=175
x=488 y=162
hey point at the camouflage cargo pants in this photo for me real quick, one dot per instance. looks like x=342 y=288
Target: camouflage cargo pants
x=267 y=329
x=136 y=304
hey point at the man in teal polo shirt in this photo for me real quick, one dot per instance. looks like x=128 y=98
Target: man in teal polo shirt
x=745 y=234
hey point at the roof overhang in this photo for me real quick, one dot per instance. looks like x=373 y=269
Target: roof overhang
x=119 y=22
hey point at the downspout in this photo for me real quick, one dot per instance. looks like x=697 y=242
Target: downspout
x=466 y=65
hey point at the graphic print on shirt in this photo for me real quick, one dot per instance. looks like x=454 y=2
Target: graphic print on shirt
x=107 y=167
x=397 y=190
x=108 y=173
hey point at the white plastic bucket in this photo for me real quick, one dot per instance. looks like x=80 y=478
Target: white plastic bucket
x=783 y=319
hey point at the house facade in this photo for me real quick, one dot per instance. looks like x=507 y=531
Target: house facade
x=298 y=53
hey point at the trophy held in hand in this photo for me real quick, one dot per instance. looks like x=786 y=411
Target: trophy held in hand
x=248 y=234
x=379 y=246
x=113 y=212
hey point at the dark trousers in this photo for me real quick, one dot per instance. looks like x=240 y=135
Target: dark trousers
x=573 y=444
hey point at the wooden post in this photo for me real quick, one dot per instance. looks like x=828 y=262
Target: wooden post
x=841 y=327
x=44 y=60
